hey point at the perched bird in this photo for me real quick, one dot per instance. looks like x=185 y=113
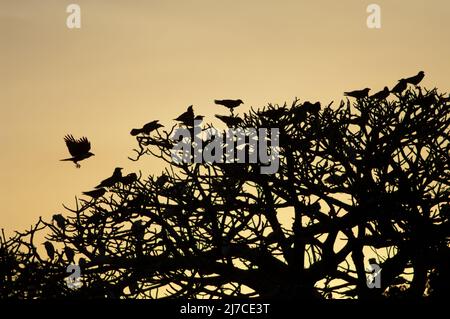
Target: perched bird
x=49 y=249
x=129 y=179
x=400 y=86
x=186 y=117
x=382 y=94
x=358 y=94
x=231 y=104
x=60 y=220
x=79 y=149
x=415 y=80
x=274 y=113
x=311 y=107
x=146 y=129
x=69 y=253
x=111 y=181
x=229 y=120
x=96 y=193
x=161 y=180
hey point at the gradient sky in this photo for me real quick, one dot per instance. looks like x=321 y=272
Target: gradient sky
x=135 y=61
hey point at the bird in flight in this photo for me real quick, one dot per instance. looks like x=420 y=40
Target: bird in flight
x=415 y=80
x=78 y=148
x=358 y=94
x=400 y=86
x=382 y=94
x=111 y=181
x=231 y=104
x=147 y=128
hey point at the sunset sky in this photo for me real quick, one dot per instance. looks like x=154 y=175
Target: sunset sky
x=135 y=61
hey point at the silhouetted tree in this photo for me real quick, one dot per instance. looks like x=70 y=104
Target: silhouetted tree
x=368 y=179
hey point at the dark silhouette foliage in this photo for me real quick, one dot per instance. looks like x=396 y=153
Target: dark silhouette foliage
x=364 y=180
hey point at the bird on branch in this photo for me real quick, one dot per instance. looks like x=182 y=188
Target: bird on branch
x=416 y=79
x=147 y=128
x=382 y=94
x=231 y=104
x=358 y=94
x=96 y=193
x=111 y=181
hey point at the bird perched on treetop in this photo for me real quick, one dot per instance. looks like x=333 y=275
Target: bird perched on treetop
x=110 y=181
x=229 y=120
x=415 y=80
x=129 y=179
x=186 y=117
x=358 y=94
x=400 y=86
x=147 y=128
x=382 y=94
x=231 y=104
x=60 y=220
x=79 y=149
x=96 y=193
x=311 y=107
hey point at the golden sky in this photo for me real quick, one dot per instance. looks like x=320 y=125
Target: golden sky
x=134 y=61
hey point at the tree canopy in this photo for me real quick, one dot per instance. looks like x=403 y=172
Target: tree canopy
x=360 y=182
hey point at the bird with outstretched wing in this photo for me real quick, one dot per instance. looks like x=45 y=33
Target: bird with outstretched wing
x=78 y=148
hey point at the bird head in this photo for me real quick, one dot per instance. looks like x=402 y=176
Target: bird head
x=421 y=73
x=240 y=101
x=90 y=154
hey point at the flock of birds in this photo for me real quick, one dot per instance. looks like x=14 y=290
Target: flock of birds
x=79 y=149
x=383 y=94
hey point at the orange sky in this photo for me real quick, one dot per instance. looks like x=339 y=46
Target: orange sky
x=135 y=61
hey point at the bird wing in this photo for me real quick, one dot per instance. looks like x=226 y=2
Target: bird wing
x=77 y=147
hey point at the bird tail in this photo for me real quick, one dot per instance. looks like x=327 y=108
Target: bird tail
x=67 y=159
x=135 y=131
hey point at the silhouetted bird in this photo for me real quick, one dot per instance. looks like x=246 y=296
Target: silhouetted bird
x=146 y=129
x=161 y=180
x=79 y=149
x=311 y=107
x=231 y=104
x=129 y=179
x=96 y=193
x=69 y=253
x=382 y=94
x=400 y=86
x=111 y=181
x=60 y=220
x=358 y=94
x=49 y=249
x=186 y=117
x=415 y=80
x=274 y=113
x=229 y=120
